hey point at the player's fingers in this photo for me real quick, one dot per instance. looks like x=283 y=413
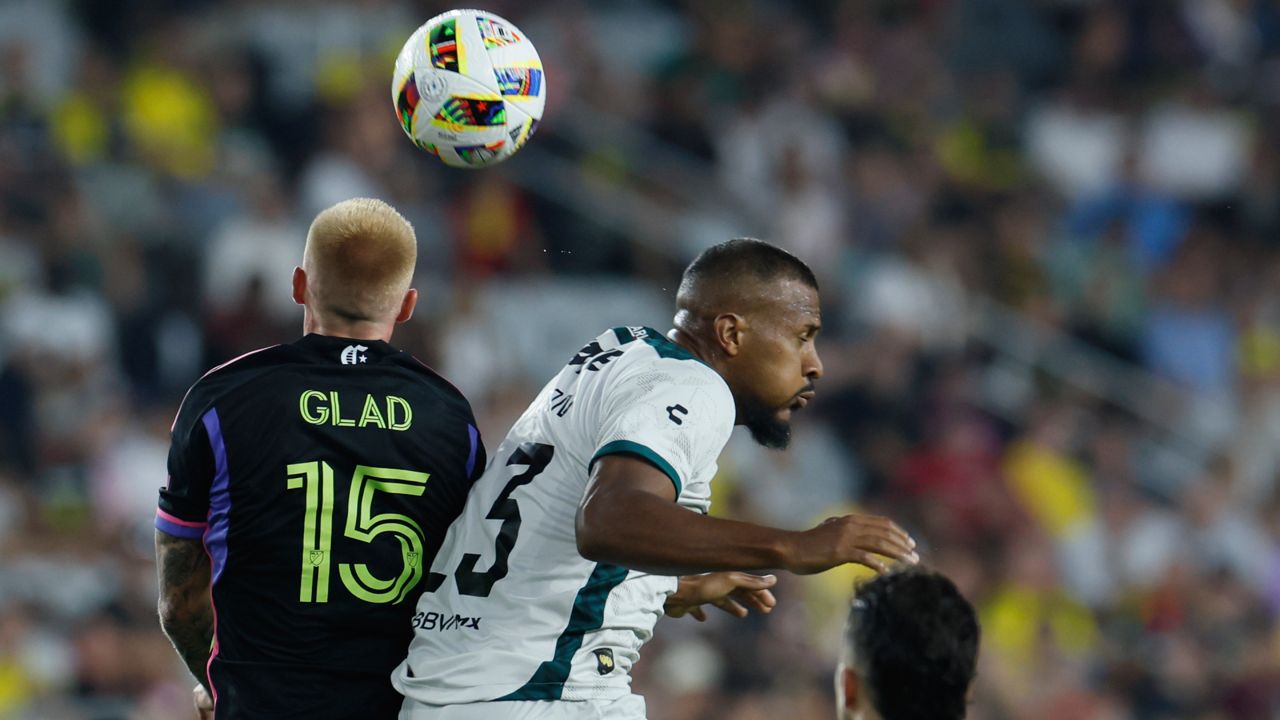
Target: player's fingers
x=897 y=553
x=885 y=526
x=892 y=530
x=698 y=614
x=747 y=581
x=905 y=556
x=760 y=600
x=888 y=546
x=731 y=606
x=871 y=561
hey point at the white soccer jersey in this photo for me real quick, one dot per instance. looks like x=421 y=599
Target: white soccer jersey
x=512 y=611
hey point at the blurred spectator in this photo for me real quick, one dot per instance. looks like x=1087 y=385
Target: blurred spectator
x=1152 y=223
x=1220 y=536
x=1074 y=143
x=1195 y=147
x=259 y=247
x=1188 y=334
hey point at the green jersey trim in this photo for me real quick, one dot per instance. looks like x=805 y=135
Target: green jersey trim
x=628 y=447
x=656 y=340
x=587 y=615
x=624 y=336
x=668 y=349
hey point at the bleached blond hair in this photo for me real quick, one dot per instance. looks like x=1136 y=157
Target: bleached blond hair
x=359 y=260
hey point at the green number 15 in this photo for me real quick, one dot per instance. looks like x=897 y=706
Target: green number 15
x=316 y=478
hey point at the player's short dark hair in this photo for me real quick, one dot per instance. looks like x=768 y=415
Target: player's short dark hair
x=915 y=640
x=735 y=260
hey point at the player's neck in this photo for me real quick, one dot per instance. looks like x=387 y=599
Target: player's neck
x=353 y=329
x=690 y=342
x=703 y=349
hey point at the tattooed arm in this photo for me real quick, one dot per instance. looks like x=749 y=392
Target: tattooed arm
x=186 y=612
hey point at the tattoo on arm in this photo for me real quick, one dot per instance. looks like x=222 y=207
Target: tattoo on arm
x=186 y=612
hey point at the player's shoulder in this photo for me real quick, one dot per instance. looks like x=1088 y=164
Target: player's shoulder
x=242 y=368
x=220 y=379
x=428 y=379
x=648 y=354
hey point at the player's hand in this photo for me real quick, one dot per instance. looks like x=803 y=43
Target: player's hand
x=204 y=703
x=863 y=539
x=732 y=592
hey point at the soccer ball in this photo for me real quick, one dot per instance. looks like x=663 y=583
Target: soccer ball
x=468 y=88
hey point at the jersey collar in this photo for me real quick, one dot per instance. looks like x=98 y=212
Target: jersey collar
x=345 y=351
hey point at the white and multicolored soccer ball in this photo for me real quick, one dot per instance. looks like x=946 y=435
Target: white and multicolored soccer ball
x=469 y=88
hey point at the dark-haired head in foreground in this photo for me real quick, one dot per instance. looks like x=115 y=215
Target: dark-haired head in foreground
x=910 y=649
x=750 y=310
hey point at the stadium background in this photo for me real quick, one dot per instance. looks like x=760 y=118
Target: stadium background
x=1048 y=234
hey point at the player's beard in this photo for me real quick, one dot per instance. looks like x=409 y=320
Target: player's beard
x=765 y=426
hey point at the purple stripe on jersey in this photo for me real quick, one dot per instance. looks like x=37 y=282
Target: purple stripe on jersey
x=471 y=458
x=215 y=538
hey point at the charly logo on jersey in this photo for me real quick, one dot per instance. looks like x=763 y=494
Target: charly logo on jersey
x=604 y=660
x=676 y=413
x=353 y=354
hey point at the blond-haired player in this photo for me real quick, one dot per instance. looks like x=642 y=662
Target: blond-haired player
x=356 y=270
x=310 y=485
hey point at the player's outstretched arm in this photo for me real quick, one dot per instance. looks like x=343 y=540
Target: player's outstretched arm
x=628 y=517
x=186 y=612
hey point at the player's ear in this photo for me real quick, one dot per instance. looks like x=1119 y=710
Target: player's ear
x=300 y=286
x=728 y=329
x=849 y=686
x=407 y=305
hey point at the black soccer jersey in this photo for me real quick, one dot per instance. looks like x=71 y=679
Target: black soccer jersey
x=321 y=476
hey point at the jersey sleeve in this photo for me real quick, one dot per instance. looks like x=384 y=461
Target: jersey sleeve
x=675 y=414
x=184 y=501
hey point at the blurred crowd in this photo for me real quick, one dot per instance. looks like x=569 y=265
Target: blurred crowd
x=1106 y=172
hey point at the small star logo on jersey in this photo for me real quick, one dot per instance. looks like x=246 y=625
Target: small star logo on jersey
x=353 y=354
x=604 y=661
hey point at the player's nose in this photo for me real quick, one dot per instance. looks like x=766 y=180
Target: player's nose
x=812 y=367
